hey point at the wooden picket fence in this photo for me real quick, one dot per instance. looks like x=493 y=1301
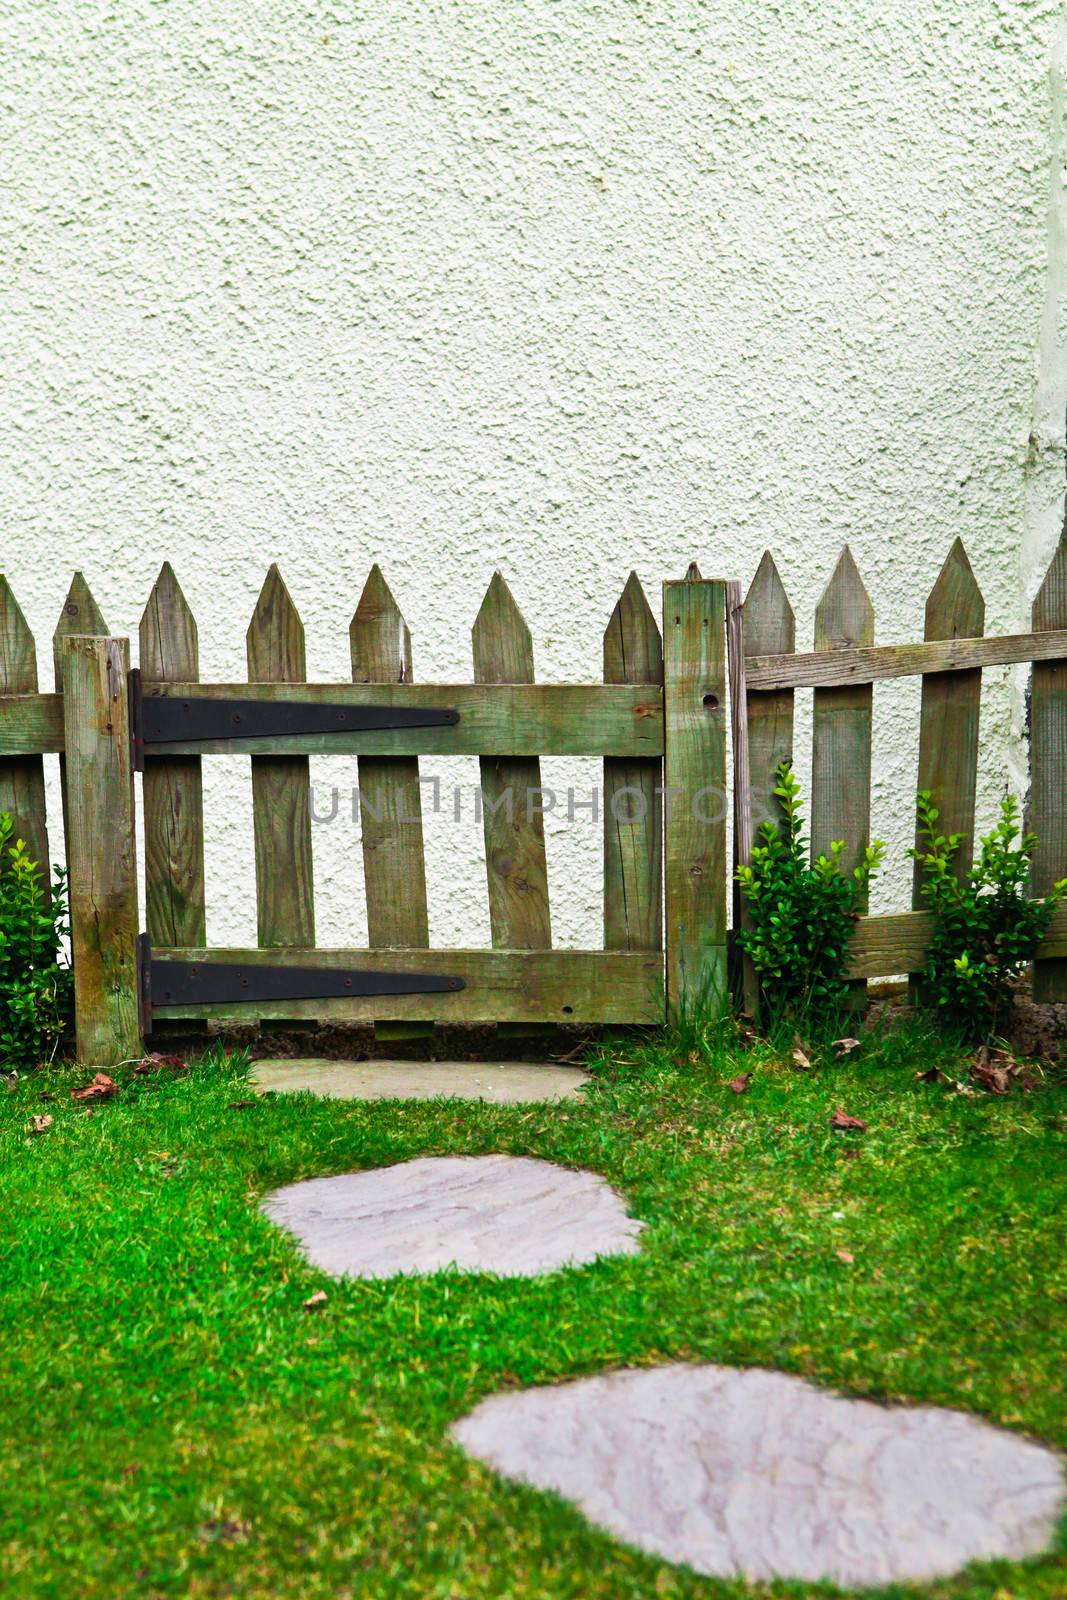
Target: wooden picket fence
x=658 y=875
x=657 y=718
x=842 y=670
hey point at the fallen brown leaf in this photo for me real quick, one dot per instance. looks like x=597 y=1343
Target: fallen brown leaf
x=995 y=1070
x=841 y=1119
x=845 y=1255
x=801 y=1059
x=740 y=1084
x=316 y=1301
x=852 y=1155
x=46 y=1094
x=154 y=1060
x=845 y=1047
x=240 y=1105
x=101 y=1087
x=41 y=1124
x=996 y=1079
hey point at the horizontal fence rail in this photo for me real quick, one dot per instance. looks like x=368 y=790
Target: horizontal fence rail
x=597 y=719
x=875 y=663
x=539 y=986
x=896 y=941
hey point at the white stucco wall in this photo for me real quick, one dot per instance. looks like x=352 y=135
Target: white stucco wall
x=563 y=289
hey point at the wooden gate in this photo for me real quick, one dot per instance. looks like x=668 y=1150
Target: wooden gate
x=656 y=719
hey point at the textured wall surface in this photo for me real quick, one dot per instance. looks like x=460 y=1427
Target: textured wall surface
x=560 y=289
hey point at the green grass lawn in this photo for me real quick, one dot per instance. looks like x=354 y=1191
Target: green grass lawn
x=175 y=1423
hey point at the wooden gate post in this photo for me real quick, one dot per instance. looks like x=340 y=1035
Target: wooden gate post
x=101 y=847
x=695 y=800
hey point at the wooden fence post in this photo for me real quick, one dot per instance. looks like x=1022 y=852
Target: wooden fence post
x=694 y=694
x=101 y=847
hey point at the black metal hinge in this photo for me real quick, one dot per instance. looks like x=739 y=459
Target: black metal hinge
x=165 y=982
x=162 y=719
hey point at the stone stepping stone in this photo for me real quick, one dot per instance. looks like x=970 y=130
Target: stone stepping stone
x=506 y=1214
x=761 y=1475
x=500 y=1082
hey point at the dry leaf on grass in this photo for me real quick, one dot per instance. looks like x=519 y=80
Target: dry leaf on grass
x=995 y=1070
x=154 y=1060
x=846 y=1256
x=841 y=1119
x=100 y=1089
x=740 y=1084
x=316 y=1301
x=41 y=1124
x=845 y=1047
x=801 y=1060
x=240 y=1105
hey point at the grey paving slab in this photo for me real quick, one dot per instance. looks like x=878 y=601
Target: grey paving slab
x=501 y=1082
x=505 y=1214
x=762 y=1475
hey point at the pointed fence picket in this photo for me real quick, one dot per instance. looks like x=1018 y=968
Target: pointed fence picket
x=390 y=799
x=281 y=784
x=632 y=799
x=511 y=798
x=173 y=792
x=21 y=777
x=1048 y=765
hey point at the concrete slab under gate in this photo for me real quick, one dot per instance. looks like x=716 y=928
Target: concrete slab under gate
x=500 y=1082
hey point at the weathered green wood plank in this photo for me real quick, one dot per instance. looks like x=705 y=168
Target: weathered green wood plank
x=841 y=728
x=524 y=986
x=741 y=971
x=101 y=848
x=694 y=686
x=948 y=720
x=875 y=663
x=883 y=946
x=391 y=803
x=515 y=864
x=394 y=863
x=80 y=615
x=281 y=786
x=770 y=629
x=31 y=724
x=495 y=719
x=633 y=823
x=22 y=777
x=172 y=791
x=1048 y=765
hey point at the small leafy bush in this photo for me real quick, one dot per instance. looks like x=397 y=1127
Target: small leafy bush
x=986 y=929
x=802 y=913
x=35 y=981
